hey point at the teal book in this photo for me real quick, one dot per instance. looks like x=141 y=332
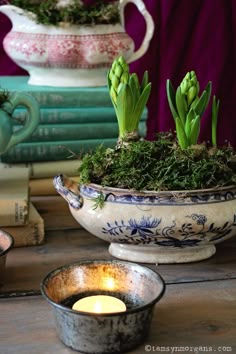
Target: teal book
x=73 y=115
x=53 y=150
x=65 y=132
x=48 y=96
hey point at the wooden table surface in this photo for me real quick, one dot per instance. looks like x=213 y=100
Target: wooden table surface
x=196 y=315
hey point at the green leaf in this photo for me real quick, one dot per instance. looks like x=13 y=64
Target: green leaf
x=181 y=136
x=181 y=105
x=190 y=116
x=201 y=105
x=208 y=89
x=125 y=106
x=144 y=81
x=215 y=111
x=136 y=81
x=113 y=96
x=108 y=79
x=140 y=105
x=193 y=104
x=114 y=105
x=133 y=87
x=171 y=98
x=195 y=130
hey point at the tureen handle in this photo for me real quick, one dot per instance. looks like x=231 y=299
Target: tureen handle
x=149 y=27
x=68 y=189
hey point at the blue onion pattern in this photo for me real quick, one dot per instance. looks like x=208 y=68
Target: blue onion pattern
x=149 y=230
x=142 y=228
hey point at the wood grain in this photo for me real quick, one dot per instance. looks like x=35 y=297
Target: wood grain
x=197 y=311
x=189 y=315
x=55 y=212
x=26 y=267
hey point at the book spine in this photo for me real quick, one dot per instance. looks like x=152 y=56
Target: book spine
x=45 y=169
x=44 y=186
x=48 y=96
x=14 y=196
x=93 y=98
x=72 y=115
x=53 y=150
x=77 y=97
x=13 y=212
x=65 y=132
x=31 y=234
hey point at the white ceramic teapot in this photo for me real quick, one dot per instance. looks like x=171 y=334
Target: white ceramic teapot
x=73 y=55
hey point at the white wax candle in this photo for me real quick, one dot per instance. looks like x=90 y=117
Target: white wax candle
x=99 y=304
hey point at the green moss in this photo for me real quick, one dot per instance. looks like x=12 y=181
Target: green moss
x=160 y=165
x=77 y=13
x=99 y=201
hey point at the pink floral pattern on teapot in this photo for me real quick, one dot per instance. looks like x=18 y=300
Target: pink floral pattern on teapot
x=61 y=56
x=69 y=51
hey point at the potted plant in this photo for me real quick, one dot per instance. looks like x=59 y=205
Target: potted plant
x=70 y=42
x=164 y=201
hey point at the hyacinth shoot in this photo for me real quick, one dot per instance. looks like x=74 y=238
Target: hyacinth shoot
x=128 y=97
x=187 y=109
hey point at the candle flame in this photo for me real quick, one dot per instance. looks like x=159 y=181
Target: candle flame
x=110 y=284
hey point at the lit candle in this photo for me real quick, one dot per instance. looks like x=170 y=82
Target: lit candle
x=99 y=304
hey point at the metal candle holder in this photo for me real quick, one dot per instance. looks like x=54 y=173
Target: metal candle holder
x=140 y=288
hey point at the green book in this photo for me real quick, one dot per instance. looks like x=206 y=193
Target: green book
x=73 y=115
x=48 y=96
x=53 y=150
x=64 y=132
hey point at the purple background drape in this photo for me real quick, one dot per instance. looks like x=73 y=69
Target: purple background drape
x=195 y=35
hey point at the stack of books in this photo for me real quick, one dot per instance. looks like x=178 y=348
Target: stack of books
x=18 y=215
x=73 y=121
x=36 y=190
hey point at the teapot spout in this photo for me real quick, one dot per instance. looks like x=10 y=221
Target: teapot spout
x=14 y=13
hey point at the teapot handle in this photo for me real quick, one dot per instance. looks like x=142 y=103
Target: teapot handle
x=32 y=118
x=149 y=27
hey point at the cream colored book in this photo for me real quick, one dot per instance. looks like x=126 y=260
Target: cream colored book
x=47 y=168
x=14 y=196
x=31 y=234
x=45 y=186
